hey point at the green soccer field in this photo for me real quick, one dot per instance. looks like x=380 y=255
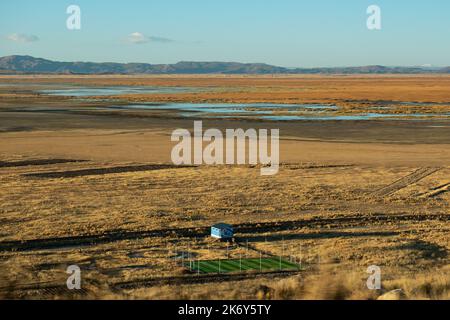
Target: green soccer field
x=237 y=265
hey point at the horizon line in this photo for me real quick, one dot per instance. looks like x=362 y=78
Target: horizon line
x=424 y=66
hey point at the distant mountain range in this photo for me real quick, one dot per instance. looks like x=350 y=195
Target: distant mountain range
x=30 y=65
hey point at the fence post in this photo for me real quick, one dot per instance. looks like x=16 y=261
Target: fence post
x=240 y=262
x=228 y=256
x=301 y=255
x=260 y=261
x=182 y=257
x=246 y=252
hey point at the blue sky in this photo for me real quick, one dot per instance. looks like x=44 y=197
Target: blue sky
x=291 y=33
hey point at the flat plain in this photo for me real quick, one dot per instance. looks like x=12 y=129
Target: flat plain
x=88 y=185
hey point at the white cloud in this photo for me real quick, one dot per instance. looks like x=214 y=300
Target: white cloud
x=139 y=38
x=20 y=37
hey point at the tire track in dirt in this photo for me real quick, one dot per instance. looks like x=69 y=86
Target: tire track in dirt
x=45 y=289
x=402 y=183
x=57 y=290
x=204 y=231
x=201 y=279
x=434 y=192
